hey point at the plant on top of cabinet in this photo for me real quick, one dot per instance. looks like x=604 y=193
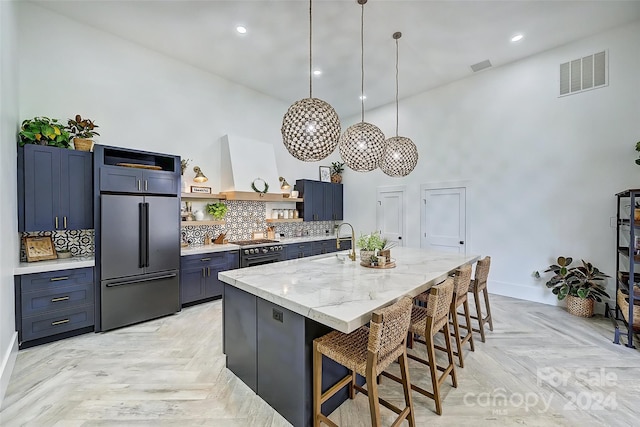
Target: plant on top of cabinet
x=43 y=131
x=336 y=172
x=218 y=210
x=82 y=131
x=638 y=150
x=581 y=285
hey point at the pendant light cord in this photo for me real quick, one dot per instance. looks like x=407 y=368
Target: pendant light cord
x=397 y=88
x=310 y=51
x=362 y=62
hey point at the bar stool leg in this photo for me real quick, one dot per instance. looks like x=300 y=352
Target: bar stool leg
x=485 y=292
x=406 y=385
x=317 y=385
x=456 y=331
x=372 y=391
x=476 y=298
x=433 y=370
x=467 y=317
x=447 y=341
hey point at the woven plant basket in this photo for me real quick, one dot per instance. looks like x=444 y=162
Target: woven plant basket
x=623 y=303
x=336 y=178
x=82 y=144
x=366 y=255
x=580 y=307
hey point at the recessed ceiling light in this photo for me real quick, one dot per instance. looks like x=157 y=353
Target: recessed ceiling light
x=317 y=72
x=241 y=29
x=517 y=38
x=363 y=97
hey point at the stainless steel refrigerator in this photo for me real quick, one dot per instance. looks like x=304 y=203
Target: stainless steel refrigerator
x=139 y=258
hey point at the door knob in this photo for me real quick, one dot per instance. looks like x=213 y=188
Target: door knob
x=399 y=237
x=462 y=242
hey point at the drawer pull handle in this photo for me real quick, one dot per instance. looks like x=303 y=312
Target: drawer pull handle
x=64 y=222
x=57 y=279
x=59 y=299
x=59 y=322
x=138 y=185
x=205 y=259
x=56 y=223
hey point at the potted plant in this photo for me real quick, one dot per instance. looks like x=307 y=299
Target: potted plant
x=43 y=131
x=336 y=172
x=638 y=150
x=369 y=244
x=218 y=210
x=581 y=285
x=82 y=131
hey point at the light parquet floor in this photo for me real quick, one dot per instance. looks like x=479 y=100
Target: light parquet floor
x=539 y=367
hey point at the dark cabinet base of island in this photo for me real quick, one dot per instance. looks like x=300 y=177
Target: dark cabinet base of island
x=270 y=349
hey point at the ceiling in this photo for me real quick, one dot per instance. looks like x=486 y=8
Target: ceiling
x=441 y=39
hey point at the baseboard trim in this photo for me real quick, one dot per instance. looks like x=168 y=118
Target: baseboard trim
x=8 y=362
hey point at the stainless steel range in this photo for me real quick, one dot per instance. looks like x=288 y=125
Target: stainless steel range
x=259 y=251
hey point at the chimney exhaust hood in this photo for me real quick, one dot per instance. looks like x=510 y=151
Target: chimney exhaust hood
x=243 y=161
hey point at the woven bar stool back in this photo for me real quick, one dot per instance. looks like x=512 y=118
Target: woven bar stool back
x=426 y=322
x=479 y=285
x=367 y=351
x=461 y=282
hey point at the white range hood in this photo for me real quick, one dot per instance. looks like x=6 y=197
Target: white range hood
x=243 y=161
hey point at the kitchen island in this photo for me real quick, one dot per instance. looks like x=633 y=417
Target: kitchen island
x=273 y=312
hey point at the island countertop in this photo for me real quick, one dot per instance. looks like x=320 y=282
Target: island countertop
x=343 y=294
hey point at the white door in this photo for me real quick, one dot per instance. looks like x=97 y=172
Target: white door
x=444 y=219
x=390 y=214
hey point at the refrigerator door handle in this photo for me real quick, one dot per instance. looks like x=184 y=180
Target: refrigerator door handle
x=142 y=248
x=148 y=279
x=146 y=234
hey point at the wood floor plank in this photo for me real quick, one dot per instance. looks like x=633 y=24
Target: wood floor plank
x=539 y=367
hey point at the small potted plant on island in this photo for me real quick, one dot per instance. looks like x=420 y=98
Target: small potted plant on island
x=82 y=131
x=336 y=172
x=43 y=131
x=581 y=286
x=369 y=244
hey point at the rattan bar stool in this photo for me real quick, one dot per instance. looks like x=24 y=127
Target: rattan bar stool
x=461 y=282
x=479 y=284
x=426 y=322
x=367 y=351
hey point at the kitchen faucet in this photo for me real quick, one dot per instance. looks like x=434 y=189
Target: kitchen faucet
x=352 y=255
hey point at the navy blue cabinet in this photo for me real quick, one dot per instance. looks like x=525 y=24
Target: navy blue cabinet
x=131 y=180
x=55 y=188
x=199 y=275
x=298 y=250
x=322 y=200
x=53 y=303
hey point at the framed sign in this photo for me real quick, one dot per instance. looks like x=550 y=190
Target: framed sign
x=201 y=190
x=325 y=174
x=39 y=248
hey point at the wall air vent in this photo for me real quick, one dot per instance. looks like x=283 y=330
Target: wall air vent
x=590 y=72
x=481 y=66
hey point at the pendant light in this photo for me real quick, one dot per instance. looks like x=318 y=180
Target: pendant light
x=400 y=154
x=362 y=145
x=310 y=127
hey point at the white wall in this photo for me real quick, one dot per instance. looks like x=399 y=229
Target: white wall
x=543 y=169
x=142 y=99
x=8 y=207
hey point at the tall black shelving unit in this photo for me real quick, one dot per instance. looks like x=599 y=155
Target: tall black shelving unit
x=627 y=261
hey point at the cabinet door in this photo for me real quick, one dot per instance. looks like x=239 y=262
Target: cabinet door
x=41 y=188
x=121 y=179
x=76 y=203
x=192 y=284
x=337 y=195
x=327 y=202
x=158 y=182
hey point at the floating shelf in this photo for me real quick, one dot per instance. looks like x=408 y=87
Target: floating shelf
x=206 y=222
x=291 y=199
x=202 y=196
x=272 y=221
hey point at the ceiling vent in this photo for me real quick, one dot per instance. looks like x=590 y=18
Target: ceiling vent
x=481 y=66
x=590 y=72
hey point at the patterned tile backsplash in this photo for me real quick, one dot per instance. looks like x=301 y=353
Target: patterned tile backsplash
x=244 y=217
x=79 y=242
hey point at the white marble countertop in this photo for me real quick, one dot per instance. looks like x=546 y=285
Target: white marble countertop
x=53 y=265
x=342 y=294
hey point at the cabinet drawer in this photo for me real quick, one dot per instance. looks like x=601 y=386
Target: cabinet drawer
x=204 y=260
x=324 y=247
x=60 y=298
x=57 y=322
x=56 y=279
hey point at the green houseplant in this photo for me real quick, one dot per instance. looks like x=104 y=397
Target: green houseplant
x=218 y=210
x=369 y=244
x=581 y=285
x=336 y=172
x=43 y=131
x=82 y=131
x=638 y=150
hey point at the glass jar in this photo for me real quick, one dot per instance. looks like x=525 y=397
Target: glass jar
x=295 y=213
x=280 y=214
x=285 y=213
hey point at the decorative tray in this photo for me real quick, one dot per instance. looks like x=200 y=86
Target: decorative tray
x=139 y=166
x=391 y=264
